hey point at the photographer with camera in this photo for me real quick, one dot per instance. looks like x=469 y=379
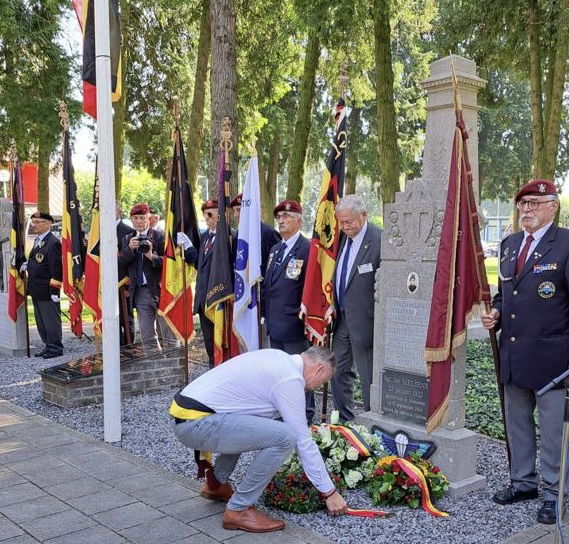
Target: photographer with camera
x=142 y=253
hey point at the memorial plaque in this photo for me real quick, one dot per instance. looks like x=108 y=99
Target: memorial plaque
x=405 y=333
x=404 y=396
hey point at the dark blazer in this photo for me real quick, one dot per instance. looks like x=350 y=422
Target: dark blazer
x=45 y=270
x=122 y=230
x=534 y=310
x=360 y=287
x=152 y=269
x=283 y=287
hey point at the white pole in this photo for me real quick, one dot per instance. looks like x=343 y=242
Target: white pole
x=107 y=204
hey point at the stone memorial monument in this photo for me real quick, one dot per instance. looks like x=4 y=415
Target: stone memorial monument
x=412 y=228
x=12 y=335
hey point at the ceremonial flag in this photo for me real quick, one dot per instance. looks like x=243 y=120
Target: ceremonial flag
x=460 y=278
x=16 y=285
x=72 y=242
x=219 y=296
x=175 y=303
x=317 y=304
x=85 y=12
x=248 y=262
x=92 y=289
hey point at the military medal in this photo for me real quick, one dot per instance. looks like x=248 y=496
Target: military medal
x=546 y=289
x=539 y=268
x=41 y=243
x=39 y=257
x=294 y=268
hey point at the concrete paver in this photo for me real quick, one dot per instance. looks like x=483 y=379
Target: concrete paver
x=58 y=486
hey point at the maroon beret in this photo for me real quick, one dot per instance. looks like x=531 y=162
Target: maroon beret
x=140 y=209
x=536 y=187
x=288 y=206
x=209 y=204
x=42 y=215
x=236 y=201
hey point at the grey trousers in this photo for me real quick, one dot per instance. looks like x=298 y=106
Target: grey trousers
x=232 y=434
x=48 y=320
x=520 y=405
x=146 y=306
x=293 y=348
x=342 y=383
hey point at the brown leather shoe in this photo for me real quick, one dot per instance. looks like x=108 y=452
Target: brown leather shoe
x=251 y=520
x=221 y=493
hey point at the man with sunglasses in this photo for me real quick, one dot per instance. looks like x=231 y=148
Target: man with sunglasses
x=532 y=310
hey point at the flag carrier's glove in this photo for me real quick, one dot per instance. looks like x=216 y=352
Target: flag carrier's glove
x=183 y=240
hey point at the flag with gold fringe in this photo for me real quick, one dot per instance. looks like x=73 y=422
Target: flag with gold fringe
x=16 y=285
x=72 y=242
x=219 y=296
x=92 y=288
x=85 y=11
x=460 y=280
x=317 y=304
x=175 y=302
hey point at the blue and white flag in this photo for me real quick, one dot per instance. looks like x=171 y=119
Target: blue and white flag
x=248 y=262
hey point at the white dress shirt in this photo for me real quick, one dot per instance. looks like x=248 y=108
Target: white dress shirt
x=537 y=236
x=290 y=244
x=356 y=244
x=265 y=383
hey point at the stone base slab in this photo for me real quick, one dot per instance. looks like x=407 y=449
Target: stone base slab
x=455 y=453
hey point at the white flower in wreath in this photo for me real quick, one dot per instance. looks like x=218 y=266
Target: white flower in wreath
x=332 y=465
x=352 y=477
x=352 y=454
x=338 y=454
x=325 y=437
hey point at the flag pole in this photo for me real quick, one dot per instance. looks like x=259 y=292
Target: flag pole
x=177 y=144
x=107 y=202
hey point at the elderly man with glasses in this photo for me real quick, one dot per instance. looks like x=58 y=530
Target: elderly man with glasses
x=532 y=310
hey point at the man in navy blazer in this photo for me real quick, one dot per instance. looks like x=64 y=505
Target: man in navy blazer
x=532 y=309
x=354 y=287
x=283 y=285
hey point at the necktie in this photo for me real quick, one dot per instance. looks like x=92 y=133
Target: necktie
x=139 y=269
x=344 y=274
x=280 y=254
x=37 y=241
x=523 y=255
x=209 y=242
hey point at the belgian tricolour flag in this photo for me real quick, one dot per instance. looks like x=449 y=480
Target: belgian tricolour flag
x=16 y=285
x=317 y=304
x=86 y=14
x=176 y=293
x=72 y=242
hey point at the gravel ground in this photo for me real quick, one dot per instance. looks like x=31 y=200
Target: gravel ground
x=474 y=519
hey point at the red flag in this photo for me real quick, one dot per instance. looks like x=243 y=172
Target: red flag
x=84 y=10
x=72 y=242
x=460 y=278
x=16 y=286
x=175 y=304
x=317 y=304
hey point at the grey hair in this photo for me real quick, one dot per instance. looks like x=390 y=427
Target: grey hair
x=351 y=203
x=322 y=355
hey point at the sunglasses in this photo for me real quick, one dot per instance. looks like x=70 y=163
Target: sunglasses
x=208 y=214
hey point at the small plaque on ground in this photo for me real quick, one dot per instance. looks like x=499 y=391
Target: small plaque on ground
x=404 y=396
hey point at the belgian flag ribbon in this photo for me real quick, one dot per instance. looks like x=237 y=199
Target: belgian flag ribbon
x=317 y=304
x=72 y=242
x=175 y=303
x=16 y=285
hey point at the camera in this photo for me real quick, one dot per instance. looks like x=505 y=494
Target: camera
x=143 y=243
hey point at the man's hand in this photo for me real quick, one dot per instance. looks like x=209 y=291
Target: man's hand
x=24 y=267
x=489 y=320
x=148 y=254
x=133 y=243
x=55 y=298
x=183 y=240
x=336 y=504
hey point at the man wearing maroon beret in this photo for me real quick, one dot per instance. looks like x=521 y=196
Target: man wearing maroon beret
x=532 y=310
x=142 y=253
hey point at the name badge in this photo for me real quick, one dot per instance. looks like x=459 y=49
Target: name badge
x=539 y=268
x=365 y=268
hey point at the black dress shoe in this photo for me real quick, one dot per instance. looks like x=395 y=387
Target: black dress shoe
x=40 y=353
x=547 y=513
x=509 y=496
x=51 y=354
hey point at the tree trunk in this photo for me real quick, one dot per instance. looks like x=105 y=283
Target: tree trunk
x=388 y=149
x=270 y=181
x=121 y=106
x=535 y=81
x=223 y=88
x=43 y=175
x=303 y=118
x=196 y=130
x=354 y=141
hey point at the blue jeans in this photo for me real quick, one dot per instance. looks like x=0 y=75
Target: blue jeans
x=232 y=434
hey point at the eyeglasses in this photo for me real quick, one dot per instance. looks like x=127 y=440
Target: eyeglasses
x=532 y=204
